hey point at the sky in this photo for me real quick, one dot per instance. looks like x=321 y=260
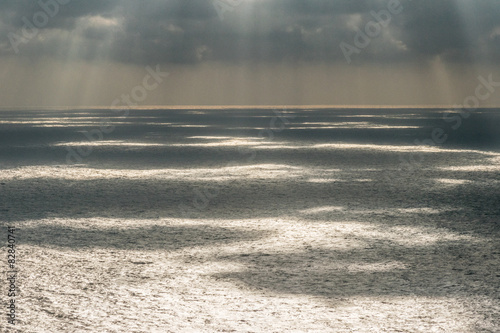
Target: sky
x=81 y=53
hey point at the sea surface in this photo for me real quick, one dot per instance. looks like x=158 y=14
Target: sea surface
x=376 y=157
x=254 y=219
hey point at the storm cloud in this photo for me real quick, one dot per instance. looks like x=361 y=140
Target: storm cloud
x=246 y=52
x=191 y=31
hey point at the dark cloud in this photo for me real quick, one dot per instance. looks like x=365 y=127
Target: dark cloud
x=437 y=27
x=190 y=31
x=12 y=12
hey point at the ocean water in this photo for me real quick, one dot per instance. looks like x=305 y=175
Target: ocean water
x=342 y=156
x=368 y=211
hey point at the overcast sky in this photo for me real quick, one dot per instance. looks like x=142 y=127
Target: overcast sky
x=90 y=52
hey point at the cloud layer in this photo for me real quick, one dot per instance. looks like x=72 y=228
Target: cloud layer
x=192 y=31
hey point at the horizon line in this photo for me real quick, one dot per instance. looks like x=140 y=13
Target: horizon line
x=249 y=106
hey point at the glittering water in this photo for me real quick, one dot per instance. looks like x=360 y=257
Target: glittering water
x=253 y=220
